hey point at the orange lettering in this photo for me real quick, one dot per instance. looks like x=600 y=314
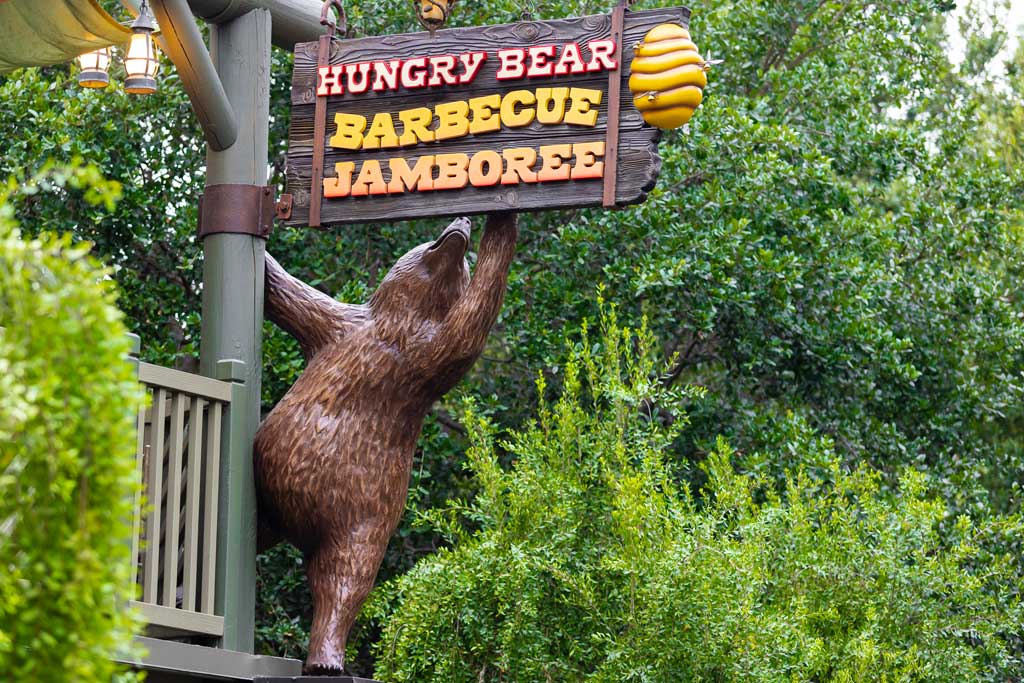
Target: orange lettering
x=490 y=160
x=342 y=185
x=518 y=161
x=451 y=171
x=370 y=180
x=587 y=165
x=420 y=177
x=554 y=167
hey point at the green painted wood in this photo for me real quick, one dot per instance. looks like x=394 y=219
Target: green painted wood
x=197 y=385
x=172 y=622
x=140 y=430
x=235 y=581
x=154 y=486
x=233 y=313
x=184 y=44
x=190 y=558
x=195 y=663
x=207 y=601
x=172 y=530
x=293 y=21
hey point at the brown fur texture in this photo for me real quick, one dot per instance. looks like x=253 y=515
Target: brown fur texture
x=333 y=458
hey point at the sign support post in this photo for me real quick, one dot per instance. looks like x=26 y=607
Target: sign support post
x=611 y=148
x=232 y=324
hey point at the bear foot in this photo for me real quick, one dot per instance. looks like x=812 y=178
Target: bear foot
x=323 y=667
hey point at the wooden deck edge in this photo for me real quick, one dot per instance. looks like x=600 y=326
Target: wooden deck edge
x=209 y=663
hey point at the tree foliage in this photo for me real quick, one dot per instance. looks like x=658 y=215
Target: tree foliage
x=833 y=252
x=590 y=564
x=68 y=400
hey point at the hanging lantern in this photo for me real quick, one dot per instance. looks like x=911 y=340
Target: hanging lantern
x=433 y=14
x=667 y=76
x=93 y=68
x=140 y=61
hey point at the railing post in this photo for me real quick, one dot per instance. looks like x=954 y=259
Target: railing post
x=236 y=518
x=140 y=419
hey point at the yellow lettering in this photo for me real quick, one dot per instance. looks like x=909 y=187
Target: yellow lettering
x=381 y=133
x=580 y=112
x=515 y=119
x=484 y=120
x=350 y=131
x=452 y=121
x=551 y=104
x=415 y=122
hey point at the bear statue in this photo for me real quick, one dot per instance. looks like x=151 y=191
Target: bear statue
x=332 y=459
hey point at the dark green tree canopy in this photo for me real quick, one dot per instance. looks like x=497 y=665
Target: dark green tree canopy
x=833 y=252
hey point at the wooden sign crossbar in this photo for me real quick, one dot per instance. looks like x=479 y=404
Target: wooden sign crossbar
x=527 y=116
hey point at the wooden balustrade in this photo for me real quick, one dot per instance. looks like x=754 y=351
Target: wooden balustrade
x=181 y=456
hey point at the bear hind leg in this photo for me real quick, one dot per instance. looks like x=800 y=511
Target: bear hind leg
x=341 y=574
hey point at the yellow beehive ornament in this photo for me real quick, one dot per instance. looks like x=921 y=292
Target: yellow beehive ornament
x=667 y=77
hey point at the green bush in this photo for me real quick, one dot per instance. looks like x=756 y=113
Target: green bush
x=829 y=246
x=588 y=563
x=68 y=398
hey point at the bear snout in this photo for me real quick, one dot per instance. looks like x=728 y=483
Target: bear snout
x=461 y=227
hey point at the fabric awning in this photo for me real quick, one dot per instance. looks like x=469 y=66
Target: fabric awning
x=44 y=32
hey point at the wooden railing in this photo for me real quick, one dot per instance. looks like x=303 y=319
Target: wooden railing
x=183 y=455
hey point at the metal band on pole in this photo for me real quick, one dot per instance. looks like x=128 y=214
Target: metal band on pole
x=236 y=209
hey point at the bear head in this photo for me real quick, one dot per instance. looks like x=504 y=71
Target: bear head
x=424 y=284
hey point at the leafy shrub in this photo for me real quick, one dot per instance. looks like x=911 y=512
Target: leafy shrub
x=588 y=563
x=829 y=247
x=67 y=438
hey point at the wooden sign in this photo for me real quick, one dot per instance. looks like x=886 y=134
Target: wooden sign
x=526 y=116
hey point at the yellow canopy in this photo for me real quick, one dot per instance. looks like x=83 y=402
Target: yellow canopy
x=44 y=32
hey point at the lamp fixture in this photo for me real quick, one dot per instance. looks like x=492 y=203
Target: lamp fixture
x=93 y=68
x=140 y=61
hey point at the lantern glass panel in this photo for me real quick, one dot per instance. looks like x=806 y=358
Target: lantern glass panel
x=140 y=65
x=93 y=68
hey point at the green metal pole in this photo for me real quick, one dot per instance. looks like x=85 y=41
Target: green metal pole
x=233 y=297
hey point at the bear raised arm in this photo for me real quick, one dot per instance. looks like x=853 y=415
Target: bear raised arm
x=333 y=458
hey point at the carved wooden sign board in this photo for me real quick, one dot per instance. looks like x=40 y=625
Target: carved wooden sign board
x=527 y=116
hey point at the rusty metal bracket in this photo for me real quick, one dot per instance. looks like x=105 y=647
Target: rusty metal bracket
x=237 y=209
x=333 y=24
x=283 y=208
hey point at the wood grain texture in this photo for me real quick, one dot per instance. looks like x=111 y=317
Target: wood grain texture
x=614 y=109
x=637 y=165
x=232 y=324
x=333 y=458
